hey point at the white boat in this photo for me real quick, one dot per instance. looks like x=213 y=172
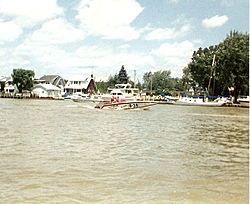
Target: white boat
x=87 y=99
x=199 y=101
x=123 y=92
x=244 y=101
x=126 y=105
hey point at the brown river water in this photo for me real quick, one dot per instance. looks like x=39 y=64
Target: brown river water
x=64 y=152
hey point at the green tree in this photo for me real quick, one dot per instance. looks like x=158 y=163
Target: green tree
x=23 y=79
x=158 y=81
x=112 y=80
x=147 y=78
x=102 y=86
x=222 y=66
x=200 y=67
x=123 y=76
x=2 y=86
x=233 y=63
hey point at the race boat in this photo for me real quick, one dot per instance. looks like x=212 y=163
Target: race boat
x=121 y=104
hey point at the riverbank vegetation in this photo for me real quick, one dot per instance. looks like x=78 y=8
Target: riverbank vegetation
x=221 y=69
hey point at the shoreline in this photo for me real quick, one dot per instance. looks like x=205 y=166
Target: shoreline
x=160 y=102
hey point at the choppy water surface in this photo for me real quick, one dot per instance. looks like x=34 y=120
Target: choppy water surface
x=61 y=152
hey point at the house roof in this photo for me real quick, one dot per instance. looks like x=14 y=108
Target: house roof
x=79 y=78
x=54 y=79
x=47 y=87
x=48 y=77
x=5 y=79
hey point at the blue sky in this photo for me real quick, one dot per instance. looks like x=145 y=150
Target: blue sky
x=80 y=37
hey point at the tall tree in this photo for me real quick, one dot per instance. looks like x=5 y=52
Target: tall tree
x=102 y=86
x=23 y=79
x=201 y=66
x=158 y=81
x=112 y=80
x=233 y=63
x=2 y=85
x=147 y=79
x=123 y=76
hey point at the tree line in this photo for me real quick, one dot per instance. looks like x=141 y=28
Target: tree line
x=222 y=69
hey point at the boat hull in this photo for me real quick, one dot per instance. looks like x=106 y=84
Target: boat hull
x=244 y=102
x=126 y=105
x=213 y=104
x=190 y=101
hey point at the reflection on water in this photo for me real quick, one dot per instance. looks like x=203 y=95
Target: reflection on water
x=62 y=152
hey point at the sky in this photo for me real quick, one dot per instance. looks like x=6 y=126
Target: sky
x=84 y=37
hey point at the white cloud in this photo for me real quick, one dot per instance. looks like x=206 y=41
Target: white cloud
x=109 y=18
x=107 y=59
x=124 y=47
x=175 y=56
x=50 y=59
x=9 y=32
x=215 y=21
x=176 y=49
x=28 y=13
x=168 y=33
x=57 y=31
x=91 y=52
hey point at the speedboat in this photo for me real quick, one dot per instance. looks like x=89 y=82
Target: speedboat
x=126 y=105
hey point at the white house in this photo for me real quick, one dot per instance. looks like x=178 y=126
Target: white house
x=46 y=91
x=9 y=87
x=80 y=85
x=55 y=80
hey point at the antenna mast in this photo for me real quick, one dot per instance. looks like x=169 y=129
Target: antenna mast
x=134 y=77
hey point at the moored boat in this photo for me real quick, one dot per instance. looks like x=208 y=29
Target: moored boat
x=87 y=99
x=199 y=101
x=123 y=91
x=244 y=101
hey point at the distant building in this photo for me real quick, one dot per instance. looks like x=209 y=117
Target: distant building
x=46 y=91
x=80 y=85
x=7 y=85
x=55 y=80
